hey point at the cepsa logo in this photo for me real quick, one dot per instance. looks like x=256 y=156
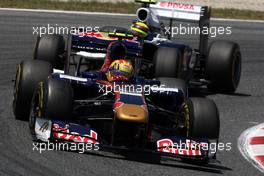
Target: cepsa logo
x=176 y=5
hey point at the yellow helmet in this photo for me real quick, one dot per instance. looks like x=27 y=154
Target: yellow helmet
x=120 y=70
x=140 y=29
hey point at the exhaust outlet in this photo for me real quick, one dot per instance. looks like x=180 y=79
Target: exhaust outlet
x=143 y=14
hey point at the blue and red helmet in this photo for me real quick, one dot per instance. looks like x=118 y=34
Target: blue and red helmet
x=120 y=70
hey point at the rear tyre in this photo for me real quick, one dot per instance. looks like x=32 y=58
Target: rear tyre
x=223 y=66
x=29 y=73
x=50 y=48
x=166 y=62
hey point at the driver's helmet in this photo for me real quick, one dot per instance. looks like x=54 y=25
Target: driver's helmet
x=120 y=70
x=140 y=29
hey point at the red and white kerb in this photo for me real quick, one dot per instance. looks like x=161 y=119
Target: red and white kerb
x=251 y=145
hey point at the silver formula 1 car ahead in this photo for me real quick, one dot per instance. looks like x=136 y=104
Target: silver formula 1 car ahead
x=217 y=66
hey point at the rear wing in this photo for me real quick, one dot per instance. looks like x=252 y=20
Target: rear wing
x=179 y=12
x=172 y=10
x=186 y=12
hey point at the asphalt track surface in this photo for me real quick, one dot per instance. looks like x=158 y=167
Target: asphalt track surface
x=237 y=112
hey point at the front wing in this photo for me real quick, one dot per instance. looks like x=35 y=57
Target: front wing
x=60 y=131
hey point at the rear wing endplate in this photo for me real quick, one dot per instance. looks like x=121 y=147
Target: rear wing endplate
x=185 y=12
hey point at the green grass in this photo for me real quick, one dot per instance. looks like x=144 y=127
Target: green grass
x=119 y=7
x=74 y=5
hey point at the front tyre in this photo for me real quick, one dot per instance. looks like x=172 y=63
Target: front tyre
x=202 y=122
x=203 y=119
x=29 y=74
x=54 y=99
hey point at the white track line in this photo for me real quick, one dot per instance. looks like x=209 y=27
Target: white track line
x=238 y=20
x=251 y=151
x=65 y=12
x=110 y=14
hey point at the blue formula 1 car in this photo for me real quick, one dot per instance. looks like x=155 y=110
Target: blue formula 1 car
x=79 y=105
x=217 y=66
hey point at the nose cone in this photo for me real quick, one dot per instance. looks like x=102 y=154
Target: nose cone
x=132 y=113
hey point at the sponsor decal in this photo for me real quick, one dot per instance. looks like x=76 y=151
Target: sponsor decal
x=75 y=133
x=43 y=129
x=187 y=148
x=176 y=5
